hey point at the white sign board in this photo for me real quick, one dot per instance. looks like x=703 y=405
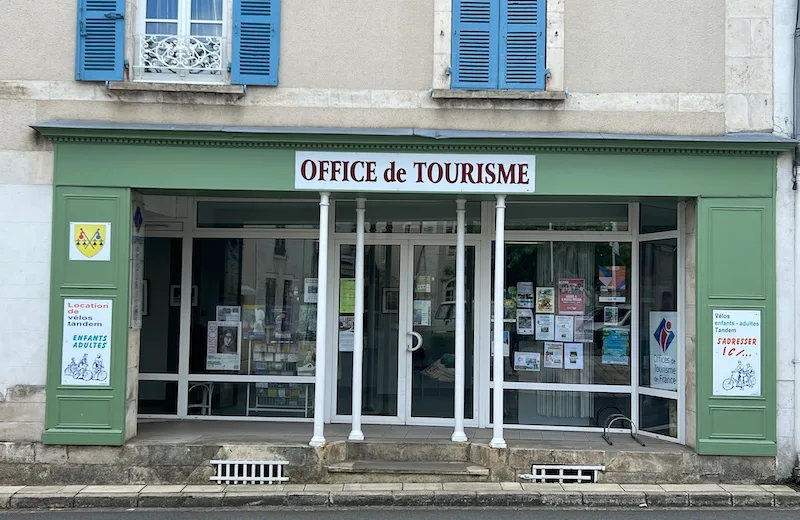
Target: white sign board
x=90 y=241
x=414 y=173
x=737 y=353
x=223 y=345
x=664 y=344
x=86 y=351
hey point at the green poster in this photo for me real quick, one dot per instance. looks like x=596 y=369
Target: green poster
x=347 y=296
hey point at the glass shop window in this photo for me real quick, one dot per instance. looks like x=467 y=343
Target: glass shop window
x=260 y=215
x=426 y=217
x=566 y=217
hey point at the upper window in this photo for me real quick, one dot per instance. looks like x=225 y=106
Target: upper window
x=181 y=41
x=498 y=44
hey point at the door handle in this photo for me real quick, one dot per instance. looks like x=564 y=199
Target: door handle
x=411 y=347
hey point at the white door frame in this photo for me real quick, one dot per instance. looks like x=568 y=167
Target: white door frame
x=405 y=318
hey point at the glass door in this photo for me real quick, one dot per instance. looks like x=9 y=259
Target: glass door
x=382 y=334
x=431 y=350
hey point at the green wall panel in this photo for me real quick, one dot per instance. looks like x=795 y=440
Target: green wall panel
x=89 y=415
x=272 y=169
x=736 y=270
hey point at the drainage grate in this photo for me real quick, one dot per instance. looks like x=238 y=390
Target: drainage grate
x=249 y=471
x=553 y=474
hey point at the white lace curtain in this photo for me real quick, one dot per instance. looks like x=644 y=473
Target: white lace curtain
x=199 y=10
x=568 y=260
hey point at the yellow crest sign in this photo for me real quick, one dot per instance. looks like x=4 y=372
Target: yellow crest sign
x=90 y=241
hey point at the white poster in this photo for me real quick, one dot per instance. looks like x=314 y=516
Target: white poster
x=525 y=295
x=664 y=344
x=553 y=355
x=527 y=361
x=564 y=328
x=229 y=313
x=525 y=322
x=310 y=288
x=223 y=342
x=506 y=343
x=545 y=327
x=90 y=241
x=573 y=356
x=422 y=313
x=584 y=329
x=86 y=349
x=737 y=353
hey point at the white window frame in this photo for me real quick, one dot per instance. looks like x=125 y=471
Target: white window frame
x=139 y=28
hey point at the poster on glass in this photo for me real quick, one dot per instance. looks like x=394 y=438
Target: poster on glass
x=564 y=328
x=253 y=322
x=584 y=329
x=545 y=298
x=527 y=361
x=612 y=283
x=524 y=322
x=664 y=345
x=525 y=295
x=310 y=289
x=422 y=313
x=223 y=343
x=228 y=313
x=553 y=355
x=347 y=334
x=281 y=323
x=573 y=356
x=545 y=327
x=571 y=296
x=616 y=346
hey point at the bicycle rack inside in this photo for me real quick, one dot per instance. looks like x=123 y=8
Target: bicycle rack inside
x=617 y=417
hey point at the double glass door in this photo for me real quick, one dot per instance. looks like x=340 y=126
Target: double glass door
x=409 y=332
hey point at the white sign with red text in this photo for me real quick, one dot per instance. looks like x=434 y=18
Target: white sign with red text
x=86 y=350
x=414 y=173
x=737 y=353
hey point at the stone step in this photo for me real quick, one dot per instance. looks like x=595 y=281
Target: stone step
x=407 y=451
x=355 y=471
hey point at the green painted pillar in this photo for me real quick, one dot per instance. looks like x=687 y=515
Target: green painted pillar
x=89 y=309
x=736 y=348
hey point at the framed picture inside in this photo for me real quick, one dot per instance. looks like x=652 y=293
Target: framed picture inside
x=391 y=300
x=175 y=296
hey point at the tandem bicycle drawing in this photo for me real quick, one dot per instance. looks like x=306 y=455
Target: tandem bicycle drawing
x=741 y=377
x=82 y=370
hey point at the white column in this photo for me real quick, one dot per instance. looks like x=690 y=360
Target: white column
x=458 y=432
x=358 y=324
x=499 y=282
x=322 y=312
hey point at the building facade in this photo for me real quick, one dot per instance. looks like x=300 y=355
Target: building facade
x=255 y=210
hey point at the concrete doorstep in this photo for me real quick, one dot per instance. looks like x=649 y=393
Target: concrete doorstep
x=486 y=494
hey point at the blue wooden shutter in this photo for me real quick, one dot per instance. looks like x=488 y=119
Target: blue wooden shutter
x=522 y=44
x=100 y=40
x=476 y=31
x=256 y=30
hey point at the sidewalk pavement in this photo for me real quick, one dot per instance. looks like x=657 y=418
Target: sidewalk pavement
x=486 y=494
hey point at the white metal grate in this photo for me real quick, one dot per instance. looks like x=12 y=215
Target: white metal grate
x=554 y=474
x=249 y=471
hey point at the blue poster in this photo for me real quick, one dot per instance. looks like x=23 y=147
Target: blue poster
x=616 y=346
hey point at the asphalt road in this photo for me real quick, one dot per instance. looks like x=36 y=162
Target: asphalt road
x=407 y=514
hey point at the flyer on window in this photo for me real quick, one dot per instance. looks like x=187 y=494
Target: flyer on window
x=222 y=346
x=553 y=355
x=525 y=322
x=422 y=313
x=571 y=296
x=527 y=361
x=584 y=329
x=616 y=346
x=564 y=328
x=612 y=283
x=611 y=315
x=573 y=356
x=310 y=289
x=545 y=298
x=545 y=327
x=229 y=313
x=506 y=343
x=525 y=295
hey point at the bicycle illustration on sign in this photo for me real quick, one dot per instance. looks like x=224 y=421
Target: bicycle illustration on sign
x=83 y=371
x=741 y=377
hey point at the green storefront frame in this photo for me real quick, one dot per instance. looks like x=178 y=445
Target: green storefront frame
x=733 y=181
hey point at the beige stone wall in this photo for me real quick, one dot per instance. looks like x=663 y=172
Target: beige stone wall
x=22 y=413
x=690 y=324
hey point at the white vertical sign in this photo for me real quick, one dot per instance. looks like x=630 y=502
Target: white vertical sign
x=737 y=353
x=86 y=350
x=664 y=344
